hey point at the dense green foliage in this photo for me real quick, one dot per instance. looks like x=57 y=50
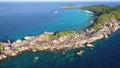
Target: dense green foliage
x=98 y=9
x=104 y=13
x=108 y=17
x=105 y=18
x=69 y=6
x=96 y=27
x=61 y=34
x=57 y=35
x=114 y=14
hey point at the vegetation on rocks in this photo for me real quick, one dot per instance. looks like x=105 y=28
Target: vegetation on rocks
x=98 y=9
x=107 y=17
x=69 y=6
x=104 y=13
x=57 y=35
x=1 y=47
x=105 y=24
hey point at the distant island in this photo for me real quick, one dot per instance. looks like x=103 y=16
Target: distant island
x=69 y=6
x=107 y=21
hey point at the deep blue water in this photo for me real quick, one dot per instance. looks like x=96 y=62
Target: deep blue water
x=18 y=20
x=104 y=55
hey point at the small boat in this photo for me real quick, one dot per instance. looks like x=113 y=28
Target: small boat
x=56 y=12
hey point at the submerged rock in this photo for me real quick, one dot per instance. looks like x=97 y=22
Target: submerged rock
x=35 y=60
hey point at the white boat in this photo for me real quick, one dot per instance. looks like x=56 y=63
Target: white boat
x=56 y=12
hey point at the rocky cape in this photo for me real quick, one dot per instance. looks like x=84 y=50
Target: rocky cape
x=42 y=42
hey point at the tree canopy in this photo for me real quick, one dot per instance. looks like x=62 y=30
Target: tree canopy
x=104 y=13
x=98 y=9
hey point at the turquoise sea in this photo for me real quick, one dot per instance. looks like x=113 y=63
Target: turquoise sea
x=18 y=20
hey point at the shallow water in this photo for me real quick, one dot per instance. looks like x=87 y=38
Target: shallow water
x=26 y=19
x=18 y=20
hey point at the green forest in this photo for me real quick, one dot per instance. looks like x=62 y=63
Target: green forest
x=104 y=13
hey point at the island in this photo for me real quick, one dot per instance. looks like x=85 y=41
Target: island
x=106 y=22
x=69 y=6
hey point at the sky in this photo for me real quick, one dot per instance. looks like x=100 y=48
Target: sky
x=55 y=0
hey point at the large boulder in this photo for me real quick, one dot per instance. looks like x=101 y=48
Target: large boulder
x=90 y=45
x=13 y=54
x=0 y=57
x=80 y=52
x=7 y=48
x=19 y=41
x=27 y=38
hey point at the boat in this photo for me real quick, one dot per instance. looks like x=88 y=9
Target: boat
x=56 y=12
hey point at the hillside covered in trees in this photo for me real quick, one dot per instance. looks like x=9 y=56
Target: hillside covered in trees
x=104 y=13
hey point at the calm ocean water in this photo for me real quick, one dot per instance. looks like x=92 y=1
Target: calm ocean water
x=21 y=19
x=18 y=20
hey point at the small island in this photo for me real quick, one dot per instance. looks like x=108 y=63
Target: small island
x=69 y=6
x=107 y=21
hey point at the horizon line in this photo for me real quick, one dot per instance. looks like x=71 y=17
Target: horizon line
x=59 y=1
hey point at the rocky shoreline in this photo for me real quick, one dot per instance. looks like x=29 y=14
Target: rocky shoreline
x=42 y=42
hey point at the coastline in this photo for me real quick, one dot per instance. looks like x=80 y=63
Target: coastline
x=42 y=42
x=63 y=41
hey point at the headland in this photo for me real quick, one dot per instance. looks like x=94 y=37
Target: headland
x=105 y=23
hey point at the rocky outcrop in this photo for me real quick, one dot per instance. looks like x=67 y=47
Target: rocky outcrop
x=80 y=52
x=41 y=42
x=90 y=45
